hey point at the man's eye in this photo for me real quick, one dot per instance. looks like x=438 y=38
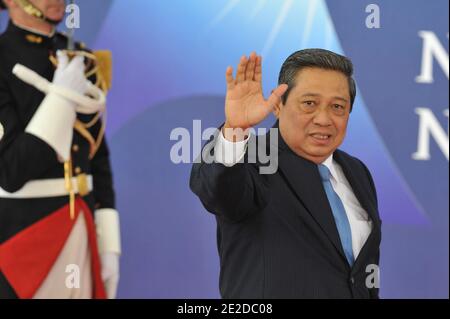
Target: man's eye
x=309 y=103
x=338 y=106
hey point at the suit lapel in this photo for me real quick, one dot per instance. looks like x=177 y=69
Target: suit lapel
x=303 y=178
x=360 y=193
x=357 y=187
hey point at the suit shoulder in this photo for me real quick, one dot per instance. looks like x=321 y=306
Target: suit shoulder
x=352 y=160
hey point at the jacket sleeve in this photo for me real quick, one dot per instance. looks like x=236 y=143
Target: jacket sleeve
x=23 y=156
x=232 y=192
x=102 y=175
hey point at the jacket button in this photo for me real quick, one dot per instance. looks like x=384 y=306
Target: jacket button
x=352 y=280
x=77 y=170
x=75 y=148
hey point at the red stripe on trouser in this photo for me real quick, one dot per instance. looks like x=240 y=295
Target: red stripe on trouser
x=27 y=258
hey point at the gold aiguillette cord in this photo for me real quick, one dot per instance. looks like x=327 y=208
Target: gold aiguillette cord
x=69 y=186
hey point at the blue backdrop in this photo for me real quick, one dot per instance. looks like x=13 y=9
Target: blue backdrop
x=169 y=64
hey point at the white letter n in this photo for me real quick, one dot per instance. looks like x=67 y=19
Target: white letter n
x=429 y=125
x=431 y=47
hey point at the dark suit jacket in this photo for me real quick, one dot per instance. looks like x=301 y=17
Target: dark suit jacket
x=276 y=233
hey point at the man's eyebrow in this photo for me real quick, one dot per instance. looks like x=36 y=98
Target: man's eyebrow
x=310 y=94
x=340 y=98
x=317 y=94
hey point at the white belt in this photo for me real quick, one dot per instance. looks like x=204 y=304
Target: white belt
x=45 y=188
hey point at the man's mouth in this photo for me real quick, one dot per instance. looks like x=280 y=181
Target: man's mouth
x=322 y=137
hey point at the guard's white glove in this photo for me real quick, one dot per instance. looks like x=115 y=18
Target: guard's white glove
x=70 y=75
x=89 y=99
x=108 y=236
x=54 y=119
x=110 y=273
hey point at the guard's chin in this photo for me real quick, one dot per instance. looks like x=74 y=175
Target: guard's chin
x=55 y=14
x=54 y=22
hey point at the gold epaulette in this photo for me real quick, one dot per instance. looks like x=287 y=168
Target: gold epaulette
x=104 y=72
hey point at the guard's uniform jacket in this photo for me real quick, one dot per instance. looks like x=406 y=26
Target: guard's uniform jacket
x=33 y=229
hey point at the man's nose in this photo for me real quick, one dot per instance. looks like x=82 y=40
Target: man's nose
x=322 y=116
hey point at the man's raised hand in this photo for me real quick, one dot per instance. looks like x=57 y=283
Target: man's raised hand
x=245 y=105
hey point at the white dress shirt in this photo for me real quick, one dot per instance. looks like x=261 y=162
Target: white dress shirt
x=229 y=153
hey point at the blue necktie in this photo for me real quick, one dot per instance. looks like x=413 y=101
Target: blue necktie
x=340 y=217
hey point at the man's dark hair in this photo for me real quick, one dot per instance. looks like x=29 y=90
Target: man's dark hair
x=316 y=58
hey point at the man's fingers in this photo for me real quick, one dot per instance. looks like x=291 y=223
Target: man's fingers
x=240 y=75
x=62 y=58
x=229 y=77
x=276 y=95
x=250 y=72
x=258 y=69
x=77 y=62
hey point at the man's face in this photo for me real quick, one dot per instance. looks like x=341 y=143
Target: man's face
x=313 y=122
x=52 y=9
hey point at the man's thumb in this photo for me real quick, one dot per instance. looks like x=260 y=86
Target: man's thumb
x=276 y=95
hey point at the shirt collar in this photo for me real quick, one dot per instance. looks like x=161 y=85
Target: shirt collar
x=331 y=165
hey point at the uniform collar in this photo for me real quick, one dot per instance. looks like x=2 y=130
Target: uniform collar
x=34 y=31
x=31 y=35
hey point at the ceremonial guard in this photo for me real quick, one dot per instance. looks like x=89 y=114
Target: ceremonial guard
x=59 y=229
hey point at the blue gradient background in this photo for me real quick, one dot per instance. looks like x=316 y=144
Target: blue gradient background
x=169 y=64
